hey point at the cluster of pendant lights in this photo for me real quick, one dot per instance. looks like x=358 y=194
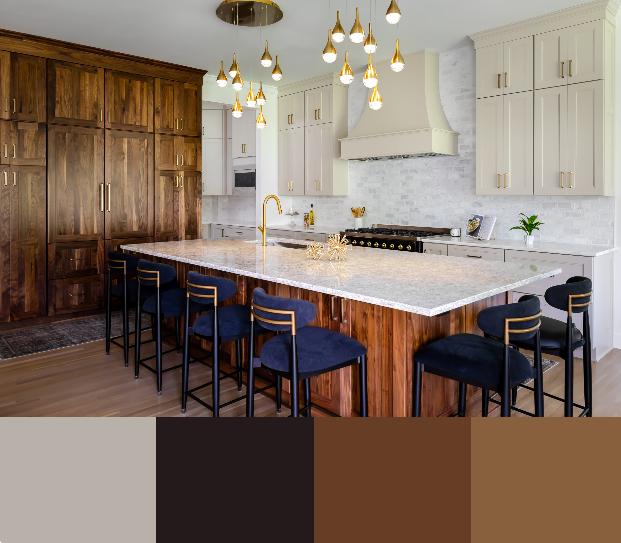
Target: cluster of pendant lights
x=356 y=35
x=252 y=100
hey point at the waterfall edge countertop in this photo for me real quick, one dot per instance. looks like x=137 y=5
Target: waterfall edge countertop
x=417 y=283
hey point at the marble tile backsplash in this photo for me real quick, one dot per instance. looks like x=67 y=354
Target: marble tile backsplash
x=440 y=191
x=229 y=209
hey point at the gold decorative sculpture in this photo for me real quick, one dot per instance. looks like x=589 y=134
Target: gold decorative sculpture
x=337 y=247
x=315 y=250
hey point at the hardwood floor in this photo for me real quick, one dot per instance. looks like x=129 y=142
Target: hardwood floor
x=82 y=381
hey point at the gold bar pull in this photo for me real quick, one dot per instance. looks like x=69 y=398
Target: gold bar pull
x=6 y=182
x=315 y=114
x=14 y=106
x=6 y=151
x=176 y=160
x=498 y=180
x=182 y=160
x=563 y=70
x=473 y=256
x=291 y=185
x=6 y=104
x=14 y=151
x=109 y=121
x=109 y=193
x=570 y=180
x=181 y=181
x=332 y=308
x=343 y=320
x=498 y=80
x=319 y=113
x=14 y=179
x=570 y=68
x=177 y=180
x=505 y=79
x=103 y=196
x=562 y=185
x=101 y=114
x=182 y=125
x=505 y=180
x=177 y=119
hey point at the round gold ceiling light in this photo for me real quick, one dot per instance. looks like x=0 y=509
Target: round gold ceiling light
x=237 y=109
x=393 y=15
x=370 y=45
x=375 y=102
x=233 y=68
x=249 y=13
x=261 y=120
x=221 y=81
x=370 y=76
x=357 y=32
x=346 y=75
x=260 y=96
x=276 y=73
x=397 y=63
x=266 y=59
x=329 y=53
x=251 y=99
x=338 y=33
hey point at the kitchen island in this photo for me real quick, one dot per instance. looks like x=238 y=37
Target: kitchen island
x=393 y=303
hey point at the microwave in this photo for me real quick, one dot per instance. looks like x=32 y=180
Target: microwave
x=244 y=180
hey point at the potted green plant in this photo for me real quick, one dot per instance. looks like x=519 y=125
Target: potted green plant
x=528 y=225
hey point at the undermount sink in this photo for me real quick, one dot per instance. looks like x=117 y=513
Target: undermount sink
x=287 y=244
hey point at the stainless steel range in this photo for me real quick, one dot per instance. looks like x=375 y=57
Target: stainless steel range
x=392 y=237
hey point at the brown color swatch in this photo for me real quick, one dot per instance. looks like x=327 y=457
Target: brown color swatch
x=392 y=480
x=552 y=480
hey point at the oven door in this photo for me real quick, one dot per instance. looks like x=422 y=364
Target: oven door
x=245 y=181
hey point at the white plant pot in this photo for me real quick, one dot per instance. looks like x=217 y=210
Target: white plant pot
x=357 y=222
x=529 y=239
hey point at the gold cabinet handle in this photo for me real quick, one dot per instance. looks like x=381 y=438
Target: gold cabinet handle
x=14 y=106
x=332 y=308
x=473 y=256
x=319 y=113
x=505 y=180
x=182 y=160
x=109 y=121
x=570 y=180
x=177 y=121
x=177 y=180
x=14 y=179
x=570 y=68
x=343 y=320
x=176 y=160
x=6 y=104
x=101 y=114
x=498 y=180
x=562 y=185
x=562 y=70
x=182 y=125
x=315 y=114
x=498 y=80
x=102 y=196
x=320 y=184
x=505 y=79
x=109 y=193
x=291 y=185
x=74 y=259
x=6 y=182
x=14 y=151
x=6 y=151
x=181 y=181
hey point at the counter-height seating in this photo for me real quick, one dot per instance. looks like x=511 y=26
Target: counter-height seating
x=486 y=362
x=219 y=325
x=300 y=352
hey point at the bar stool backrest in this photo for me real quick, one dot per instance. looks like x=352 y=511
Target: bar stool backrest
x=574 y=296
x=523 y=317
x=121 y=262
x=154 y=274
x=200 y=285
x=268 y=308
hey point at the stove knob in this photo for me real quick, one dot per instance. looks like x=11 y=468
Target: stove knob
x=354 y=242
x=376 y=245
x=409 y=247
x=392 y=245
x=400 y=247
x=383 y=246
x=368 y=244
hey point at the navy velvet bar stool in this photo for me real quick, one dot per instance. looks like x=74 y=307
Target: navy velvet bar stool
x=222 y=324
x=572 y=297
x=300 y=352
x=485 y=362
x=168 y=301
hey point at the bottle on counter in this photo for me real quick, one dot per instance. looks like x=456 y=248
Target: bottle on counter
x=306 y=220
x=311 y=217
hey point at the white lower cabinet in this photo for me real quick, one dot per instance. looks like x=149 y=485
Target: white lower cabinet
x=483 y=253
x=435 y=249
x=217 y=231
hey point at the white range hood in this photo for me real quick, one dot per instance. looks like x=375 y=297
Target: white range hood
x=411 y=122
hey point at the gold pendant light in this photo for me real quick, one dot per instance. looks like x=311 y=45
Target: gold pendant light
x=222 y=80
x=238 y=82
x=357 y=32
x=266 y=59
x=261 y=120
x=370 y=76
x=375 y=102
x=347 y=76
x=250 y=99
x=276 y=74
x=338 y=34
x=233 y=69
x=260 y=96
x=393 y=15
x=237 y=109
x=329 y=53
x=370 y=45
x=397 y=63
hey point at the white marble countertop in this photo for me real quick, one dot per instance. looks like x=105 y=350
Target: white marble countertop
x=413 y=282
x=519 y=245
x=317 y=229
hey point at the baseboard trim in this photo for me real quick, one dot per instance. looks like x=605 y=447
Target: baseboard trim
x=616 y=341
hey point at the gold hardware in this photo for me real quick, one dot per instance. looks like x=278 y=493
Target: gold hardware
x=505 y=180
x=400 y=247
x=473 y=256
x=571 y=304
x=376 y=244
x=319 y=114
x=6 y=151
x=102 y=195
x=5 y=179
x=109 y=192
x=498 y=80
x=562 y=70
x=101 y=114
x=14 y=179
x=392 y=245
x=354 y=242
x=177 y=119
x=505 y=79
x=383 y=246
x=109 y=116
x=14 y=151
x=155 y=272
x=570 y=68
x=562 y=185
x=182 y=160
x=14 y=106
x=239 y=232
x=262 y=228
x=176 y=160
x=6 y=104
x=319 y=184
x=409 y=247
x=344 y=321
x=368 y=244
x=498 y=180
x=570 y=180
x=181 y=180
x=182 y=125
x=177 y=180
x=521 y=319
x=73 y=259
x=332 y=308
x=254 y=308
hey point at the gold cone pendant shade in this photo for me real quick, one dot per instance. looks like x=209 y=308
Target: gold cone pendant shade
x=397 y=63
x=375 y=102
x=393 y=15
x=370 y=76
x=276 y=74
x=266 y=59
x=370 y=45
x=260 y=96
x=347 y=75
x=357 y=32
x=237 y=109
x=338 y=34
x=238 y=82
x=329 y=53
x=260 y=123
x=233 y=69
x=250 y=99
x=221 y=81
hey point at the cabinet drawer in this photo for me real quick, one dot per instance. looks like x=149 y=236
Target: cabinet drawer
x=484 y=253
x=311 y=236
x=435 y=249
x=283 y=234
x=75 y=294
x=239 y=232
x=73 y=259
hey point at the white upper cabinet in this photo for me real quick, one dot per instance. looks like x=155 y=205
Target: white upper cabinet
x=245 y=135
x=585 y=52
x=489 y=146
x=518 y=143
x=213 y=121
x=291 y=111
x=551 y=59
x=518 y=65
x=490 y=71
x=291 y=162
x=318 y=106
x=319 y=143
x=214 y=180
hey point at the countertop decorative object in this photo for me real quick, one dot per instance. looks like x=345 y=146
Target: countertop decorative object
x=318 y=229
x=416 y=283
x=315 y=250
x=528 y=225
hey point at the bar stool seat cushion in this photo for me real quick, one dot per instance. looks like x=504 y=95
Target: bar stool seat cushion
x=233 y=323
x=473 y=359
x=553 y=336
x=173 y=303
x=146 y=291
x=319 y=350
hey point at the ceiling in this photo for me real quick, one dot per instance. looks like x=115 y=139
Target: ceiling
x=188 y=32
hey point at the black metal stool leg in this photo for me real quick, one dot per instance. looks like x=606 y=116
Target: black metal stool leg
x=505 y=386
x=307 y=397
x=250 y=384
x=538 y=377
x=278 y=393
x=364 y=398
x=569 y=371
x=462 y=400
x=216 y=379
x=137 y=334
x=125 y=322
x=178 y=333
x=109 y=314
x=186 y=360
x=514 y=392
x=484 y=402
x=238 y=352
x=586 y=361
x=295 y=384
x=418 y=384
x=158 y=343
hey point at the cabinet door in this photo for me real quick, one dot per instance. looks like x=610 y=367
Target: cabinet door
x=318 y=106
x=284 y=163
x=191 y=208
x=284 y=112
x=28 y=248
x=312 y=99
x=27 y=144
x=190 y=153
x=5 y=245
x=75 y=94
x=297 y=110
x=213 y=123
x=490 y=145
x=551 y=141
x=6 y=94
x=213 y=181
x=250 y=143
x=129 y=102
x=167 y=152
x=75 y=184
x=190 y=117
x=518 y=143
x=518 y=65
x=551 y=59
x=327 y=158
x=28 y=84
x=166 y=206
x=129 y=185
x=239 y=137
x=312 y=156
x=585 y=52
x=296 y=160
x=166 y=105
x=490 y=71
x=585 y=135
x=75 y=294
x=77 y=259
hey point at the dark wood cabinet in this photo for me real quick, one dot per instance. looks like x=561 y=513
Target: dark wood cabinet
x=167 y=187
x=75 y=94
x=190 y=105
x=5 y=85
x=166 y=105
x=5 y=245
x=76 y=259
x=22 y=144
x=129 y=102
x=191 y=154
x=27 y=101
x=191 y=205
x=129 y=185
x=75 y=294
x=166 y=152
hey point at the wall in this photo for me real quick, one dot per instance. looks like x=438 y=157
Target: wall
x=617 y=282
x=440 y=191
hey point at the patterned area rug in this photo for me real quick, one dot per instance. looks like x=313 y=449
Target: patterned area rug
x=64 y=334
x=546 y=364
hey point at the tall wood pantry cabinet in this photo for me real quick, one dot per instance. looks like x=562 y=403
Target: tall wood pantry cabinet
x=545 y=105
x=79 y=135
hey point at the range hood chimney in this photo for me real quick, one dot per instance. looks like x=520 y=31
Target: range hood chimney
x=411 y=122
